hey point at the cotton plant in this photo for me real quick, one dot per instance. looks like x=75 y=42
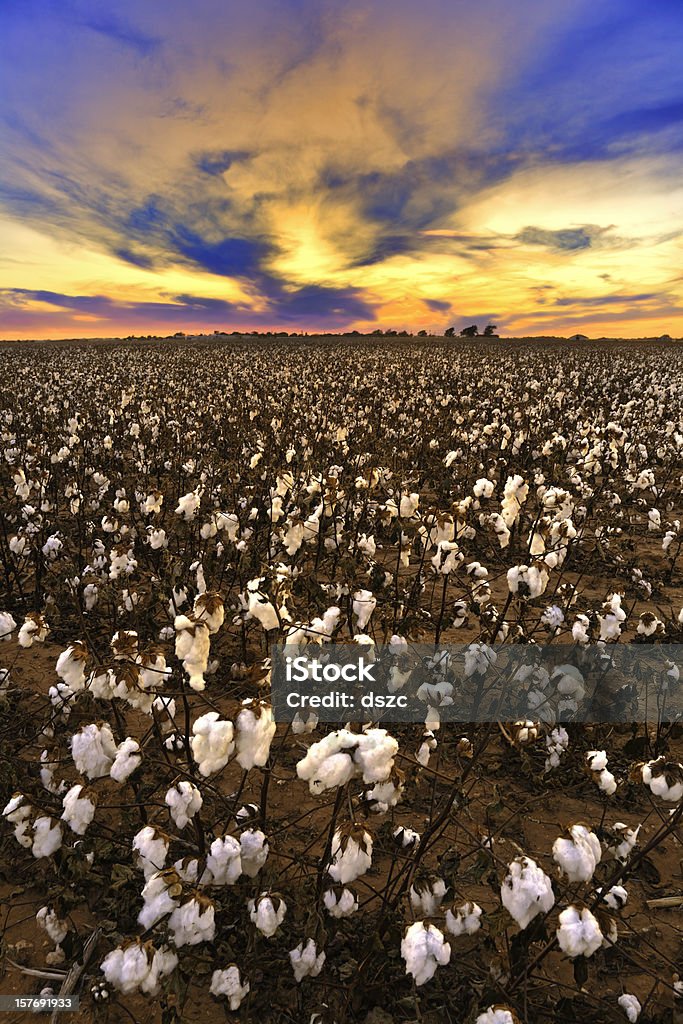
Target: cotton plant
x=160 y=895
x=254 y=849
x=342 y=755
x=56 y=929
x=254 y=732
x=34 y=630
x=224 y=861
x=94 y=750
x=150 y=849
x=498 y=1015
x=426 y=895
x=192 y=647
x=306 y=960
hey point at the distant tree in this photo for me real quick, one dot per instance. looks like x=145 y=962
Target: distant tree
x=469 y=332
x=449 y=332
x=423 y=334
x=489 y=330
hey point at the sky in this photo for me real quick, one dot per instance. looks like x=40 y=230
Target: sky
x=319 y=165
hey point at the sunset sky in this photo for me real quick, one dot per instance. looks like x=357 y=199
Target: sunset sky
x=314 y=165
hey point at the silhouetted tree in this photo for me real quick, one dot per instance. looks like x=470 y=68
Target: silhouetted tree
x=470 y=332
x=449 y=332
x=489 y=330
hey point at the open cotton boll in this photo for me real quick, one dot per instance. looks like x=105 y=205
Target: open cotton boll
x=616 y=897
x=192 y=921
x=56 y=928
x=79 y=809
x=374 y=755
x=229 y=984
x=209 y=609
x=224 y=862
x=407 y=838
x=261 y=608
x=426 y=895
x=94 y=750
x=211 y=742
x=150 y=849
x=306 y=961
x=424 y=948
x=631 y=1007
x=18 y=812
x=385 y=795
x=184 y=800
x=134 y=967
x=71 y=666
x=364 y=604
x=464 y=920
x=526 y=891
x=128 y=757
x=47 y=837
x=620 y=840
x=192 y=647
x=302 y=726
x=267 y=912
x=188 y=505
x=7 y=625
x=255 y=728
x=497 y=1015
x=578 y=933
x=329 y=762
x=350 y=855
x=578 y=854
x=527 y=581
x=35 y=628
x=664 y=779
x=254 y=851
x=340 y=902
x=160 y=895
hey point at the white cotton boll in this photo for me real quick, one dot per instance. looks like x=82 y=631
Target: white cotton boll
x=340 y=903
x=597 y=760
x=424 y=948
x=374 y=755
x=306 y=961
x=47 y=837
x=79 y=809
x=407 y=838
x=136 y=967
x=192 y=922
x=71 y=666
x=385 y=795
x=209 y=609
x=364 y=604
x=612 y=617
x=255 y=728
x=484 y=488
x=254 y=851
x=18 y=812
x=597 y=764
x=267 y=912
x=128 y=757
x=527 y=581
x=224 y=862
x=192 y=647
x=464 y=920
x=188 y=505
x=229 y=984
x=211 y=742
x=579 y=854
x=350 y=855
x=427 y=896
x=664 y=779
x=625 y=839
x=184 y=800
x=557 y=743
x=93 y=750
x=56 y=928
x=526 y=891
x=497 y=1015
x=631 y=1007
x=329 y=762
x=150 y=849
x=302 y=726
x=578 y=933
x=187 y=869
x=159 y=895
x=34 y=629
x=616 y=897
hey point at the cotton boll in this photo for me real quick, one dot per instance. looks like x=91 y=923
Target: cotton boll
x=616 y=897
x=526 y=891
x=192 y=647
x=578 y=854
x=71 y=666
x=664 y=779
x=340 y=902
x=329 y=762
x=306 y=961
x=631 y=1007
x=209 y=609
x=426 y=895
x=18 y=812
x=47 y=837
x=184 y=800
x=255 y=729
x=224 y=862
x=192 y=921
x=160 y=895
x=578 y=933
x=79 y=809
x=620 y=840
x=302 y=726
x=56 y=928
x=350 y=855
x=267 y=912
x=424 y=949
x=134 y=967
x=364 y=604
x=211 y=742
x=385 y=795
x=128 y=757
x=464 y=920
x=34 y=629
x=150 y=849
x=497 y=1015
x=229 y=984
x=94 y=750
x=254 y=851
x=188 y=505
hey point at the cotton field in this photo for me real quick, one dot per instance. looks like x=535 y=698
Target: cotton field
x=168 y=851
